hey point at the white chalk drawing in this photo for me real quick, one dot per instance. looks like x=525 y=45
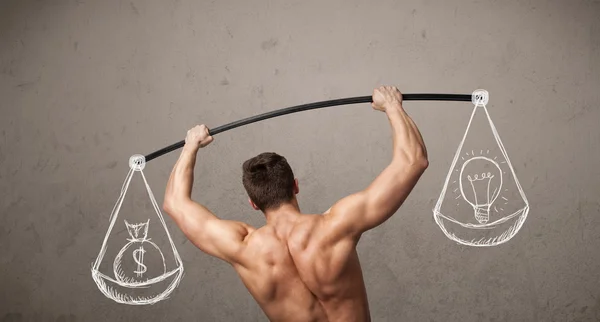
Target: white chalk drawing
x=137 y=279
x=482 y=202
x=136 y=249
x=477 y=192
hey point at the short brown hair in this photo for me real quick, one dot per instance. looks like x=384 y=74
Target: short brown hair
x=268 y=180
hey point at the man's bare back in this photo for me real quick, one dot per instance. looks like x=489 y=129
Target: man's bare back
x=330 y=270
x=302 y=267
x=269 y=273
x=298 y=278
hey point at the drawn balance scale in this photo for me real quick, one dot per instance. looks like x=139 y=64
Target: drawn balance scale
x=481 y=203
x=137 y=280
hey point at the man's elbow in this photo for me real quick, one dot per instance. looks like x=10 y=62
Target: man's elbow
x=169 y=205
x=175 y=206
x=422 y=163
x=416 y=162
x=166 y=207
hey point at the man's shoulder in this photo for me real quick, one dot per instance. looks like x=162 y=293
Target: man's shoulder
x=308 y=221
x=306 y=229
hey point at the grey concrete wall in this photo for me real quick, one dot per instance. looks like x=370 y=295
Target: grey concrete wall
x=85 y=84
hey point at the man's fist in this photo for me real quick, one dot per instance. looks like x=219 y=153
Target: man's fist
x=198 y=136
x=385 y=97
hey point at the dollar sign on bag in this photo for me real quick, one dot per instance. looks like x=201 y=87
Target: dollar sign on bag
x=146 y=254
x=138 y=257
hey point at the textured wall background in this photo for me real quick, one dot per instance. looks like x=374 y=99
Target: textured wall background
x=85 y=84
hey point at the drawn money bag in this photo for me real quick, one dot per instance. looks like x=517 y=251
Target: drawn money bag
x=141 y=273
x=143 y=252
x=482 y=202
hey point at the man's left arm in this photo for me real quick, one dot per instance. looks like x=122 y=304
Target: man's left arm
x=223 y=239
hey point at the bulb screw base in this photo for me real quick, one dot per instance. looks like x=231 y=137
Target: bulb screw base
x=482 y=214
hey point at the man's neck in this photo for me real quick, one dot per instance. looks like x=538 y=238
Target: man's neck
x=283 y=218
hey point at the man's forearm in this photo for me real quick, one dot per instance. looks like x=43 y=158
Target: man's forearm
x=182 y=177
x=408 y=145
x=400 y=130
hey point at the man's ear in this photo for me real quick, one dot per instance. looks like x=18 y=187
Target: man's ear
x=252 y=204
x=296 y=188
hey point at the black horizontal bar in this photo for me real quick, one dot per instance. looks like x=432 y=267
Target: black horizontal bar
x=310 y=106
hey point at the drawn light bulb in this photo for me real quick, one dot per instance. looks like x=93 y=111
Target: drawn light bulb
x=480 y=184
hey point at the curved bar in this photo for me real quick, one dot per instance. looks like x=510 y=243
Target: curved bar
x=311 y=106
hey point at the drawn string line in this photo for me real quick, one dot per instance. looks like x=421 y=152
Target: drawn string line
x=311 y=106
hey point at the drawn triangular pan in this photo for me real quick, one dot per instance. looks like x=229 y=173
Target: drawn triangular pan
x=482 y=202
x=138 y=263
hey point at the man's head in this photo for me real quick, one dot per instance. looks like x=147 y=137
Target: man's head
x=269 y=181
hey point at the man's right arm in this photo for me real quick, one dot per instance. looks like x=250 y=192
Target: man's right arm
x=364 y=210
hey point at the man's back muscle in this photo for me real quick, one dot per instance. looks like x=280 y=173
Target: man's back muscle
x=269 y=273
x=330 y=270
